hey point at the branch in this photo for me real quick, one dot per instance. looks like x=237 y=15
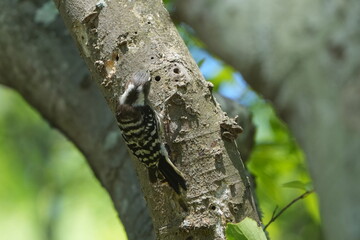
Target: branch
x=63 y=93
x=119 y=38
x=48 y=72
x=274 y=217
x=312 y=81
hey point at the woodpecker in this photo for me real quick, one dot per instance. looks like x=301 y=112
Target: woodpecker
x=141 y=129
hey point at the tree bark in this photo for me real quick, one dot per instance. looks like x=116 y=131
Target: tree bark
x=41 y=62
x=117 y=39
x=56 y=74
x=304 y=57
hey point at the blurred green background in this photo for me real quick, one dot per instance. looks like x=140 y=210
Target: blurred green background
x=48 y=192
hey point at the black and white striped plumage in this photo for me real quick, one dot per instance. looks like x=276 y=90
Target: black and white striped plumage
x=140 y=128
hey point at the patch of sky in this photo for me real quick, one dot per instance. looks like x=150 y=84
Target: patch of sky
x=236 y=89
x=210 y=66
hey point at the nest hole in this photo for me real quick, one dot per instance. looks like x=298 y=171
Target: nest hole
x=213 y=207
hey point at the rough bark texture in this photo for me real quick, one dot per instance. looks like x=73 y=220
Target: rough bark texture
x=305 y=57
x=39 y=61
x=119 y=38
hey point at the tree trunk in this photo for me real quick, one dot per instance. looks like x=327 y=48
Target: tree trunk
x=61 y=79
x=305 y=57
x=117 y=40
x=41 y=62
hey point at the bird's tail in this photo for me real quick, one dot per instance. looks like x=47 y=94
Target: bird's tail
x=172 y=175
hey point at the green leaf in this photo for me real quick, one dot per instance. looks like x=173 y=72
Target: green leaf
x=247 y=229
x=224 y=75
x=201 y=62
x=298 y=185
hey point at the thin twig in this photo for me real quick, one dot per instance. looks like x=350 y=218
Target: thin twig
x=274 y=217
x=274 y=212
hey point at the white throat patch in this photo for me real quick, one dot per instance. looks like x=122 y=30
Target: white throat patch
x=124 y=96
x=140 y=101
